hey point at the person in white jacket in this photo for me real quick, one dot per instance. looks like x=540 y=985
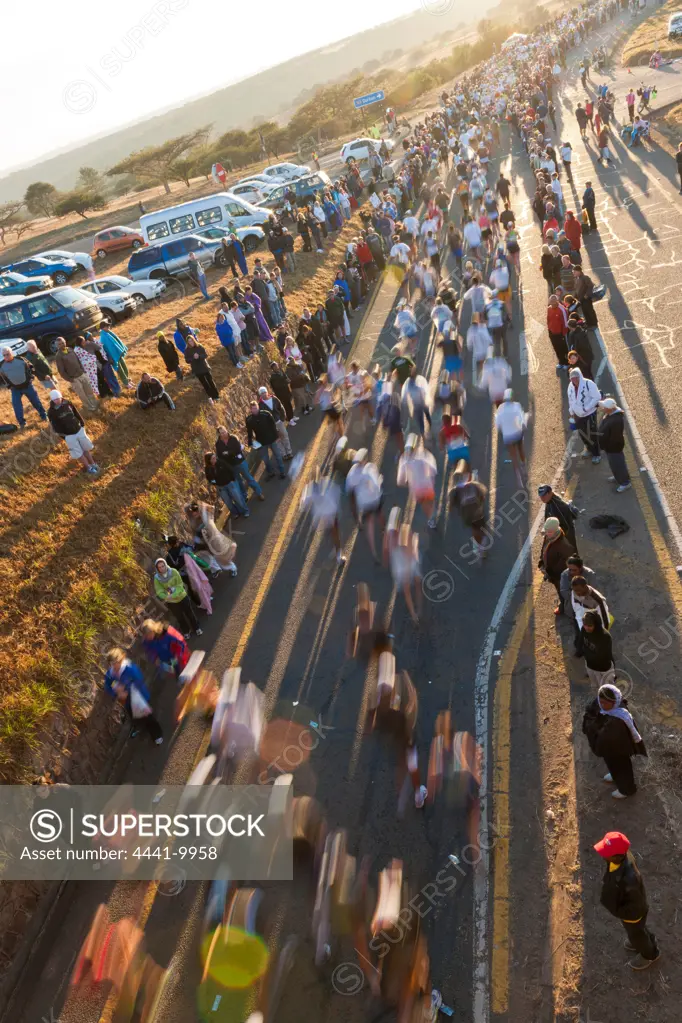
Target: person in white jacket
x=583 y=400
x=510 y=420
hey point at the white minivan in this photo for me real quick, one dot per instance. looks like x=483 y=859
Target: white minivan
x=220 y=210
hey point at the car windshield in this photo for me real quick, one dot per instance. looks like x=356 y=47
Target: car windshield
x=70 y=298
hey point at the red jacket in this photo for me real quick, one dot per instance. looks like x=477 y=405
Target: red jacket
x=550 y=225
x=364 y=253
x=557 y=321
x=574 y=232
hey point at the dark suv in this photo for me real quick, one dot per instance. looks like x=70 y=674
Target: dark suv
x=172 y=258
x=60 y=312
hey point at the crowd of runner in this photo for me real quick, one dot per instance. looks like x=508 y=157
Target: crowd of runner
x=441 y=204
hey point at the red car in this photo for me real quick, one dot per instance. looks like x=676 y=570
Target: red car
x=115 y=238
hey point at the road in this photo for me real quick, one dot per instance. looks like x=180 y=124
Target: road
x=287 y=617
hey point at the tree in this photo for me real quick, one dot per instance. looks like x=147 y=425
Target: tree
x=40 y=198
x=156 y=162
x=79 y=201
x=89 y=178
x=9 y=212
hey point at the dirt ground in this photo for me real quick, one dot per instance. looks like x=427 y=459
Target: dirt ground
x=650 y=35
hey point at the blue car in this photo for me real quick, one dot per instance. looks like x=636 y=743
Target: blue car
x=36 y=266
x=12 y=283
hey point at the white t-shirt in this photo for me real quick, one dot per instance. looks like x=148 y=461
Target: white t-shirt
x=411 y=224
x=401 y=252
x=322 y=501
x=417 y=471
x=365 y=482
x=472 y=234
x=510 y=420
x=496 y=376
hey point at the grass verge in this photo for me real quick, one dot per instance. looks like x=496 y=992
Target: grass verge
x=652 y=34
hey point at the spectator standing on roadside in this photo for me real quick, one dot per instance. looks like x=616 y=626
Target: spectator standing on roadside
x=229 y=447
x=566 y=152
x=612 y=734
x=41 y=366
x=197 y=274
x=556 y=550
x=272 y=405
x=262 y=435
x=589 y=203
x=583 y=400
x=557 y=508
x=624 y=896
x=611 y=435
x=116 y=353
x=195 y=356
x=169 y=354
x=71 y=370
x=17 y=374
x=67 y=423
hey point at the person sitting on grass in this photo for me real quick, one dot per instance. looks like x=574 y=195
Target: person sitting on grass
x=150 y=390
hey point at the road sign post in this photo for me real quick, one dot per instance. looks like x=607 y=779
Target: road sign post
x=360 y=102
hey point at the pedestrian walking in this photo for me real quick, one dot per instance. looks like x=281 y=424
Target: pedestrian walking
x=613 y=735
x=124 y=682
x=589 y=203
x=164 y=647
x=566 y=152
x=624 y=896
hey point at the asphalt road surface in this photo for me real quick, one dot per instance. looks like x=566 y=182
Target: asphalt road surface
x=287 y=616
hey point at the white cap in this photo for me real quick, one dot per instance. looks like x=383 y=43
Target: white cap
x=55 y=395
x=608 y=403
x=262 y=390
x=508 y=394
x=360 y=455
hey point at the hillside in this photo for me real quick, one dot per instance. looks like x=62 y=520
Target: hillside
x=271 y=94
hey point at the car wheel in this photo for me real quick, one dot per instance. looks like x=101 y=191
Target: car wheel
x=137 y=244
x=60 y=277
x=158 y=275
x=251 y=242
x=32 y=291
x=108 y=319
x=48 y=344
x=140 y=299
x=220 y=259
x=101 y=254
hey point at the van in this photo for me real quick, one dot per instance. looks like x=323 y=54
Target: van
x=223 y=209
x=60 y=312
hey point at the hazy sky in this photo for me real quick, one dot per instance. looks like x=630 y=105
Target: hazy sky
x=72 y=71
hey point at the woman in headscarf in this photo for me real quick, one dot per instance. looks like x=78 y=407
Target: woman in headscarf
x=597 y=647
x=116 y=352
x=612 y=734
x=106 y=378
x=253 y=300
x=170 y=589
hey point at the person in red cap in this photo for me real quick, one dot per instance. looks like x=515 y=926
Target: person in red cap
x=623 y=894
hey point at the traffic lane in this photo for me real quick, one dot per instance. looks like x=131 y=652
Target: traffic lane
x=637 y=253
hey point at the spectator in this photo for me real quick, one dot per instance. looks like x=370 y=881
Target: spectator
x=229 y=447
x=597 y=648
x=228 y=340
x=17 y=374
x=116 y=352
x=169 y=588
x=557 y=327
x=611 y=434
x=41 y=366
x=624 y=896
x=71 y=370
x=67 y=422
x=197 y=274
x=583 y=400
x=556 y=550
x=271 y=404
x=565 y=511
x=195 y=355
x=88 y=362
x=612 y=734
x=150 y=390
x=279 y=385
x=169 y=354
x=263 y=437
x=298 y=381
x=221 y=475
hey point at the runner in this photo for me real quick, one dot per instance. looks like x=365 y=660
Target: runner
x=417 y=471
x=511 y=421
x=322 y=498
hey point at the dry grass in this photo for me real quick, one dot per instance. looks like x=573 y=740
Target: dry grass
x=70 y=548
x=670 y=125
x=652 y=34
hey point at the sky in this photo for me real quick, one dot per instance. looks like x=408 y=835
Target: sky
x=95 y=67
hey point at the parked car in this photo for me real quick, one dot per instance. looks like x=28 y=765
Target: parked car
x=60 y=312
x=36 y=266
x=17 y=345
x=115 y=305
x=12 y=283
x=285 y=172
x=81 y=259
x=675 y=25
x=222 y=209
x=303 y=189
x=250 y=237
x=141 y=291
x=154 y=262
x=250 y=191
x=359 y=149
x=113 y=239
x=263 y=184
